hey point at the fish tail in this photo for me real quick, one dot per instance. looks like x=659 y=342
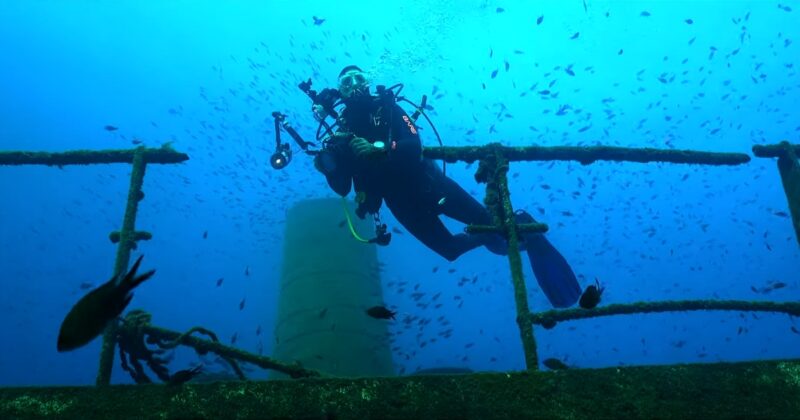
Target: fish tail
x=131 y=280
x=141 y=279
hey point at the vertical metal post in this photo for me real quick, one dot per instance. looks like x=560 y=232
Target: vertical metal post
x=789 y=168
x=126 y=244
x=498 y=200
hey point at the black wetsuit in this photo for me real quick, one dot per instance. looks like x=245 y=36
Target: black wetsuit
x=414 y=189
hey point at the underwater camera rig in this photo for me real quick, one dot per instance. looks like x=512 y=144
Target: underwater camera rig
x=324 y=105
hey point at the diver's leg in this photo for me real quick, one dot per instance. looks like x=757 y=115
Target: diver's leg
x=460 y=205
x=425 y=225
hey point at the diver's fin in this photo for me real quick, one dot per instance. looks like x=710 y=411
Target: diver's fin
x=552 y=271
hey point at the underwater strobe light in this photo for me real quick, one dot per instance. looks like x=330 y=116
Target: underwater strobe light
x=281 y=157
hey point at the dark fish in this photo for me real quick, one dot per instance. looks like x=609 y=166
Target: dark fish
x=86 y=285
x=494 y=74
x=136 y=141
x=318 y=21
x=539 y=20
x=500 y=10
x=219 y=281
x=89 y=317
x=555 y=364
x=247 y=271
x=241 y=304
x=258 y=330
x=234 y=337
x=110 y=128
x=591 y=296
x=205 y=234
x=183 y=376
x=381 y=312
x=644 y=13
x=689 y=21
x=575 y=36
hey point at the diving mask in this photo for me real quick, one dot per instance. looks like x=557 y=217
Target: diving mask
x=353 y=83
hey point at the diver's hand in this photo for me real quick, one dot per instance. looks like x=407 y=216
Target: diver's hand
x=364 y=149
x=319 y=112
x=325 y=163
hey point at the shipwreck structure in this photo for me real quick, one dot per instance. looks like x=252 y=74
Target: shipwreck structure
x=681 y=391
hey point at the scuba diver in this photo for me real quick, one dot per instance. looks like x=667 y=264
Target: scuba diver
x=377 y=149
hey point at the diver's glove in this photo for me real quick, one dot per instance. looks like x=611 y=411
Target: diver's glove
x=325 y=163
x=319 y=112
x=366 y=150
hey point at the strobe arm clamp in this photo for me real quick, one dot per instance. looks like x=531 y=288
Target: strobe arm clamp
x=382 y=237
x=326 y=99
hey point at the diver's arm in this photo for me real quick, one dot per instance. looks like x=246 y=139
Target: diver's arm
x=338 y=176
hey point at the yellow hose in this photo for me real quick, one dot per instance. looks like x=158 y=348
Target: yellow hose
x=350 y=222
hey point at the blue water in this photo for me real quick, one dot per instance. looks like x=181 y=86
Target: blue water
x=207 y=75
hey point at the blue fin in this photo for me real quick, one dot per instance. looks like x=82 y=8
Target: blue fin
x=552 y=271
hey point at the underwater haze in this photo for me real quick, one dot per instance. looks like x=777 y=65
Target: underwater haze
x=206 y=76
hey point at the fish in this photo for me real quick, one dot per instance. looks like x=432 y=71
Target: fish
x=90 y=315
x=110 y=128
x=318 y=21
x=644 y=13
x=500 y=10
x=689 y=21
x=185 y=375
x=575 y=35
x=219 y=281
x=381 y=312
x=591 y=296
x=205 y=234
x=241 y=304
x=539 y=20
x=555 y=364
